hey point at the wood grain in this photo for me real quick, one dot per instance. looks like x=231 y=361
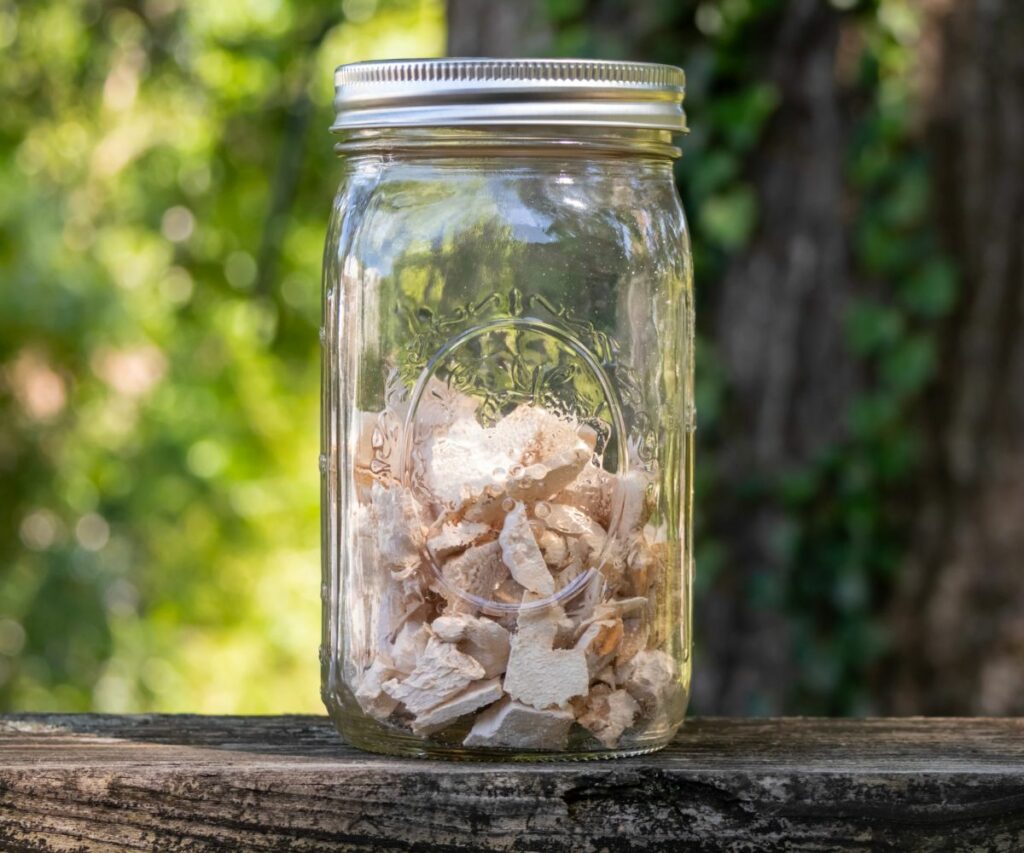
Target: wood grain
x=188 y=783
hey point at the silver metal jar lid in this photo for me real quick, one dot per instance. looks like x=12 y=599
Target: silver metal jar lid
x=530 y=92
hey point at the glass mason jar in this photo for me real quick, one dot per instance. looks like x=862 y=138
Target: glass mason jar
x=507 y=411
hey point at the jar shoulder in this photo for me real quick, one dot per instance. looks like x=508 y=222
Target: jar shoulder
x=623 y=215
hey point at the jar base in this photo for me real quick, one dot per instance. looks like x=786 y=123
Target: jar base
x=369 y=735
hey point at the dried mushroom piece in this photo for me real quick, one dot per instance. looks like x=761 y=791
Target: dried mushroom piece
x=543 y=479
x=513 y=725
x=469 y=700
x=607 y=713
x=600 y=642
x=634 y=639
x=552 y=546
x=532 y=484
x=591 y=492
x=522 y=555
x=455 y=537
x=370 y=693
x=641 y=563
x=368 y=442
x=477 y=571
x=441 y=405
x=533 y=433
x=538 y=674
x=463 y=461
x=399 y=529
x=484 y=640
x=409 y=644
x=569 y=520
x=442 y=672
x=652 y=679
x=629 y=499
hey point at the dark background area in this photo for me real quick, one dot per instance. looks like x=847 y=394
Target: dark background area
x=854 y=178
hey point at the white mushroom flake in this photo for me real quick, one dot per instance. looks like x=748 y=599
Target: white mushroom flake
x=399 y=526
x=473 y=697
x=553 y=547
x=442 y=672
x=544 y=479
x=485 y=641
x=409 y=645
x=630 y=500
x=464 y=460
x=532 y=434
x=590 y=492
x=370 y=693
x=455 y=537
x=539 y=674
x=520 y=553
x=570 y=520
x=477 y=571
x=511 y=724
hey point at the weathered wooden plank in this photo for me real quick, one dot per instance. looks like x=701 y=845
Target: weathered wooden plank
x=187 y=783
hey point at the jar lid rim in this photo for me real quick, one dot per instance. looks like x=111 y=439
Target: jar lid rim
x=458 y=92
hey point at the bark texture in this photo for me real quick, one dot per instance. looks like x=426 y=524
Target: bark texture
x=777 y=326
x=185 y=783
x=776 y=323
x=959 y=617
x=486 y=28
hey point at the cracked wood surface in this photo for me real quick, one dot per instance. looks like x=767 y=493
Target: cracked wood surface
x=190 y=783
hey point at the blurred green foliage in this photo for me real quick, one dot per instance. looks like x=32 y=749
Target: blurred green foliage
x=167 y=177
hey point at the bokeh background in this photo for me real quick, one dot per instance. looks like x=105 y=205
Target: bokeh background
x=855 y=183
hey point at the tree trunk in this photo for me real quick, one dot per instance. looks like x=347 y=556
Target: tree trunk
x=959 y=616
x=498 y=29
x=777 y=328
x=775 y=320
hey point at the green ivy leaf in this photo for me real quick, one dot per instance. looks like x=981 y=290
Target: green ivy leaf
x=909 y=365
x=882 y=252
x=907 y=202
x=728 y=219
x=873 y=414
x=742 y=117
x=871 y=327
x=564 y=10
x=931 y=291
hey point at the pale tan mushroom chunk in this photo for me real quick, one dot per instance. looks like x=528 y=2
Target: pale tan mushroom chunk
x=591 y=492
x=539 y=674
x=513 y=725
x=478 y=571
x=455 y=537
x=522 y=555
x=482 y=639
x=652 y=678
x=399 y=529
x=607 y=713
x=442 y=672
x=369 y=691
x=473 y=697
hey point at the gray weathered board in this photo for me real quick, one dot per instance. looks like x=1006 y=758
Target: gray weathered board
x=188 y=783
